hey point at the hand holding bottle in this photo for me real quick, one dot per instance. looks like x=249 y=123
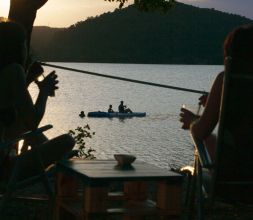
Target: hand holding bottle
x=49 y=84
x=186 y=117
x=34 y=71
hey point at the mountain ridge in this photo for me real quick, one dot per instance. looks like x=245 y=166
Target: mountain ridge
x=185 y=35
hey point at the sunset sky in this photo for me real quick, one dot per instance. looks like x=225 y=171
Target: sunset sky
x=63 y=13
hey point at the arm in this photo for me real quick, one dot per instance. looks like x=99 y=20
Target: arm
x=203 y=127
x=47 y=88
x=31 y=114
x=28 y=113
x=40 y=107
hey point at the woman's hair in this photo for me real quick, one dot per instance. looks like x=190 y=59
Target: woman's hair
x=239 y=44
x=12 y=39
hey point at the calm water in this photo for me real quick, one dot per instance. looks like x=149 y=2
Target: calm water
x=157 y=138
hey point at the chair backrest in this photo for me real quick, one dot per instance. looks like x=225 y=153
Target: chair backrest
x=234 y=154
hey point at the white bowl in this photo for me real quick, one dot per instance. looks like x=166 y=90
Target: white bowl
x=124 y=159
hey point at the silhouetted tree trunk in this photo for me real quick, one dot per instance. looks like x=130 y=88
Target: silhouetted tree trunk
x=24 y=12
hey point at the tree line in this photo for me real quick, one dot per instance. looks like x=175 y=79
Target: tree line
x=184 y=35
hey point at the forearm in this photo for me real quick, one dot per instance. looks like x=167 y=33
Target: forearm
x=203 y=127
x=40 y=107
x=200 y=129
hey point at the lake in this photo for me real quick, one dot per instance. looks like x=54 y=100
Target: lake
x=156 y=138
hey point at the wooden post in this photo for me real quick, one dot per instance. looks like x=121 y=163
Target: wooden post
x=66 y=186
x=135 y=191
x=169 y=196
x=95 y=202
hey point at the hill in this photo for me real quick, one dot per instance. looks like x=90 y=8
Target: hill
x=185 y=35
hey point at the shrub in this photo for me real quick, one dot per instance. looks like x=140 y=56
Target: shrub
x=80 y=134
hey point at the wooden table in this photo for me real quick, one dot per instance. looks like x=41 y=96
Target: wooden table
x=96 y=175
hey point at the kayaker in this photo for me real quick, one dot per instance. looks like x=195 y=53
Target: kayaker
x=110 y=110
x=123 y=109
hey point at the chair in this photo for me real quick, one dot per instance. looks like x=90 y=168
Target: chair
x=231 y=171
x=9 y=187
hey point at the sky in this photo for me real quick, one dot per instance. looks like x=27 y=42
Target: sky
x=63 y=13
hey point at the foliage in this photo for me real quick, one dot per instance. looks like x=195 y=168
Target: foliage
x=148 y=5
x=152 y=5
x=80 y=134
x=121 y=2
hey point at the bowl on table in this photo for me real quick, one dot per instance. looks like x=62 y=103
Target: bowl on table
x=124 y=159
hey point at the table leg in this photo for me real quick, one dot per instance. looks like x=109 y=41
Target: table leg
x=95 y=202
x=135 y=192
x=66 y=187
x=169 y=197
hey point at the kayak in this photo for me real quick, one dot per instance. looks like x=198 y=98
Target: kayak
x=115 y=114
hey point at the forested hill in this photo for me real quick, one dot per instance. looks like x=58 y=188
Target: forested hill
x=185 y=35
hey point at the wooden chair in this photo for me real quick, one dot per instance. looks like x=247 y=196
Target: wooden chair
x=231 y=171
x=7 y=188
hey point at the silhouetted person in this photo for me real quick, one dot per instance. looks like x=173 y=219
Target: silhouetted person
x=14 y=94
x=123 y=109
x=110 y=110
x=82 y=115
x=238 y=47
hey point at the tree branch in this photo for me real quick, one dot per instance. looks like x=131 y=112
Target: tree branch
x=147 y=5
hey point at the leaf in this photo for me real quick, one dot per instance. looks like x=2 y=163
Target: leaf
x=79 y=134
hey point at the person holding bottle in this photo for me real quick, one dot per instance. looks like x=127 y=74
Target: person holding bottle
x=27 y=115
x=238 y=47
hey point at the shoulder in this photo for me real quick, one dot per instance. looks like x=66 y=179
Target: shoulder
x=219 y=80
x=220 y=76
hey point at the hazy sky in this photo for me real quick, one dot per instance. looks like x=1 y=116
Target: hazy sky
x=63 y=13
x=241 y=7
